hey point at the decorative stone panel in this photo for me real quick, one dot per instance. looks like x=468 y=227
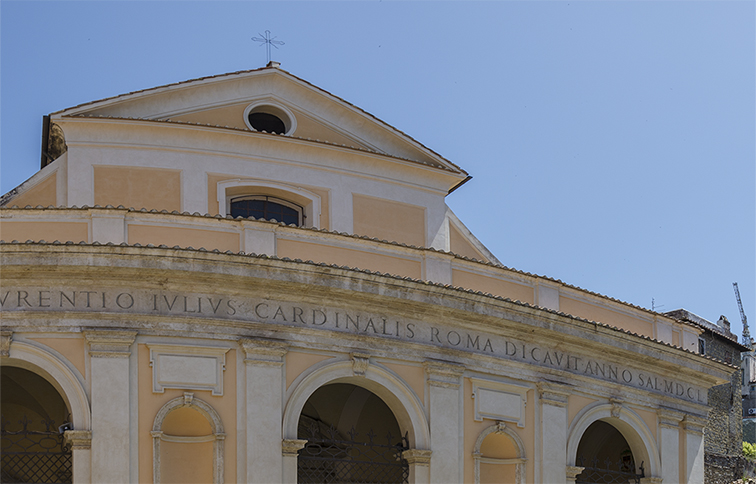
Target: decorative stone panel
x=187 y=367
x=499 y=401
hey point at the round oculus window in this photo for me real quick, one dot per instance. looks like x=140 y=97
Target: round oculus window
x=266 y=122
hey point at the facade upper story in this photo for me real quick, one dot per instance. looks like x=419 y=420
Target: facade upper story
x=264 y=162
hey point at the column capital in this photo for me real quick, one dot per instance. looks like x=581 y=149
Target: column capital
x=109 y=343
x=669 y=418
x=694 y=424
x=417 y=457
x=6 y=337
x=263 y=351
x=573 y=472
x=553 y=393
x=651 y=480
x=79 y=439
x=292 y=446
x=443 y=374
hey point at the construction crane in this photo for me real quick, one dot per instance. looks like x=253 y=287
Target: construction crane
x=746 y=333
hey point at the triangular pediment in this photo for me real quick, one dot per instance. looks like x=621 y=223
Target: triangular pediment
x=225 y=100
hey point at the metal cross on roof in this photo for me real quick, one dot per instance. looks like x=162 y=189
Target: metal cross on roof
x=267 y=40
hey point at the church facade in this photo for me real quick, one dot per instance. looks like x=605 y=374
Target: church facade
x=244 y=278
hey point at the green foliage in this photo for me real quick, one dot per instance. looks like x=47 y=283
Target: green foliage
x=749 y=451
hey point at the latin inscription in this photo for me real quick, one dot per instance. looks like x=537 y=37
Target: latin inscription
x=268 y=311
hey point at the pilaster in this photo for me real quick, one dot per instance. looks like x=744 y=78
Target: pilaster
x=669 y=446
x=445 y=417
x=553 y=424
x=109 y=352
x=263 y=362
x=573 y=472
x=694 y=448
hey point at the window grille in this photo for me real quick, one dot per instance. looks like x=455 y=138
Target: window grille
x=38 y=456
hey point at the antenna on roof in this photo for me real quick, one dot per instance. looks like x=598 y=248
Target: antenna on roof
x=268 y=41
x=655 y=306
x=746 y=333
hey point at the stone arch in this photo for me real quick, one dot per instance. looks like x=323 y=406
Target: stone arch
x=632 y=427
x=399 y=397
x=218 y=433
x=519 y=461
x=58 y=374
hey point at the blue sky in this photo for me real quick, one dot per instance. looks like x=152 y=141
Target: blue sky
x=611 y=143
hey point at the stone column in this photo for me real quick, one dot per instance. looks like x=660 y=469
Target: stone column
x=669 y=426
x=573 y=472
x=263 y=366
x=109 y=352
x=419 y=465
x=553 y=438
x=694 y=449
x=81 y=445
x=445 y=417
x=290 y=450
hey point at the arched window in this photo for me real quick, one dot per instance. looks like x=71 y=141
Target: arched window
x=267 y=208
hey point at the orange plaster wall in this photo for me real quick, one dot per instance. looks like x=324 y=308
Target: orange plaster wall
x=461 y=246
x=497 y=287
x=349 y=257
x=414 y=376
x=212 y=192
x=150 y=403
x=73 y=349
x=137 y=187
x=44 y=193
x=648 y=416
x=48 y=231
x=473 y=430
x=386 y=219
x=575 y=404
x=184 y=237
x=606 y=316
x=297 y=362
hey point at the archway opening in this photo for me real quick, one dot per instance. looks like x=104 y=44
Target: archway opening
x=352 y=437
x=606 y=456
x=34 y=417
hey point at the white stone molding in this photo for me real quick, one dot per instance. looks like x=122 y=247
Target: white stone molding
x=670 y=418
x=79 y=439
x=106 y=343
x=499 y=401
x=616 y=407
x=443 y=374
x=573 y=472
x=187 y=367
x=360 y=363
x=263 y=352
x=218 y=435
x=398 y=396
x=651 y=480
x=694 y=424
x=551 y=442
x=5 y=341
x=292 y=446
x=519 y=461
x=309 y=201
x=633 y=428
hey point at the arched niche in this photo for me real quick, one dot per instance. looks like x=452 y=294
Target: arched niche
x=508 y=451
x=216 y=435
x=628 y=423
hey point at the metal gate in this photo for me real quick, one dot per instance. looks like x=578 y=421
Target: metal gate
x=38 y=456
x=331 y=458
x=608 y=472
